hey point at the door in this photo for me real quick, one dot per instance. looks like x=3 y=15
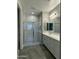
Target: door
x=27 y=33
x=31 y=33
x=35 y=32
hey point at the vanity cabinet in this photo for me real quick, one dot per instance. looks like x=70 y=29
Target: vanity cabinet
x=52 y=45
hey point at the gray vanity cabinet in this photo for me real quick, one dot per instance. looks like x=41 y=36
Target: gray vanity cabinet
x=52 y=45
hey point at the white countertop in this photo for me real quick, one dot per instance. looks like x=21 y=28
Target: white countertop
x=53 y=35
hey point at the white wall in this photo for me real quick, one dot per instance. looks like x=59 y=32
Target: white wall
x=45 y=19
x=21 y=29
x=55 y=19
x=30 y=18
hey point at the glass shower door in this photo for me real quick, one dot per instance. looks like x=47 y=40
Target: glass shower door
x=31 y=33
x=27 y=33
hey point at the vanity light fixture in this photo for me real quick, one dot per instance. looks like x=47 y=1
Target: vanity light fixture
x=53 y=14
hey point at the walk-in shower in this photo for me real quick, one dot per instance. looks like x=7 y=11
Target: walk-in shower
x=31 y=33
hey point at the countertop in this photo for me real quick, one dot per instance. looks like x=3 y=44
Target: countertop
x=53 y=35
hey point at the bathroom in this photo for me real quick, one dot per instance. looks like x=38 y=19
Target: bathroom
x=39 y=29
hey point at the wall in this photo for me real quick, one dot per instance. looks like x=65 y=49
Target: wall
x=21 y=29
x=55 y=19
x=40 y=27
x=21 y=25
x=30 y=18
x=45 y=19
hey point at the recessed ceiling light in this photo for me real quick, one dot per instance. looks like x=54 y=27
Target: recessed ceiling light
x=32 y=12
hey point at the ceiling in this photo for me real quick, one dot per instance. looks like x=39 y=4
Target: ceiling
x=36 y=6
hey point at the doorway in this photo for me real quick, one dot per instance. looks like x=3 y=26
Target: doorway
x=18 y=25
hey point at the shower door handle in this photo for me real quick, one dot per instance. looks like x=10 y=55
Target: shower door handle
x=33 y=32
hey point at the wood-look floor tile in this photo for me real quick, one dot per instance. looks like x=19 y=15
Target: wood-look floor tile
x=35 y=52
